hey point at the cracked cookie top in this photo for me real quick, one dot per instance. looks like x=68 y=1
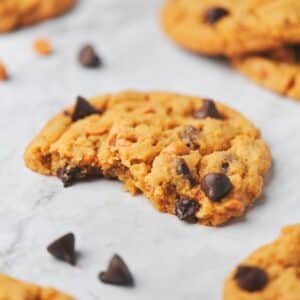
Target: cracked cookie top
x=11 y=289
x=277 y=70
x=192 y=157
x=19 y=13
x=271 y=273
x=232 y=27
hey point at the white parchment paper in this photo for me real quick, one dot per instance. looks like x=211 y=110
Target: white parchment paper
x=170 y=260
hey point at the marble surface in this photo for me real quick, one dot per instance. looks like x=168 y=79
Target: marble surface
x=170 y=260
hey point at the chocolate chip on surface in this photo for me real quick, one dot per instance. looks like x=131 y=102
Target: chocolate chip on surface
x=186 y=210
x=117 y=273
x=214 y=14
x=251 y=279
x=216 y=186
x=189 y=136
x=83 y=109
x=183 y=170
x=88 y=57
x=208 y=110
x=64 y=249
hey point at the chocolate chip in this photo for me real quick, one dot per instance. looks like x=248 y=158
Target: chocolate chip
x=225 y=166
x=189 y=136
x=251 y=279
x=64 y=249
x=186 y=210
x=70 y=175
x=88 y=57
x=216 y=186
x=117 y=273
x=208 y=110
x=83 y=109
x=183 y=170
x=214 y=14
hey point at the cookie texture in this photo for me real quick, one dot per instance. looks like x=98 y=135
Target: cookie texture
x=271 y=273
x=192 y=157
x=12 y=289
x=277 y=70
x=231 y=27
x=20 y=13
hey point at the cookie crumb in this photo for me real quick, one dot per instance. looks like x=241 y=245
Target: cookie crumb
x=42 y=47
x=3 y=72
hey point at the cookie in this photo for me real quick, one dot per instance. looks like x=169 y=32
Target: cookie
x=192 y=157
x=277 y=70
x=232 y=27
x=12 y=289
x=271 y=273
x=20 y=13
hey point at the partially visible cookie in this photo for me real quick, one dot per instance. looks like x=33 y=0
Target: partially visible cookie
x=192 y=157
x=232 y=27
x=20 y=13
x=271 y=273
x=277 y=70
x=12 y=289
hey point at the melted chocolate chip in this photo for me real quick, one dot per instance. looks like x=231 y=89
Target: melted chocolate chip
x=64 y=249
x=189 y=136
x=214 y=14
x=251 y=279
x=117 y=273
x=183 y=170
x=88 y=57
x=186 y=210
x=208 y=110
x=225 y=166
x=83 y=109
x=216 y=186
x=70 y=175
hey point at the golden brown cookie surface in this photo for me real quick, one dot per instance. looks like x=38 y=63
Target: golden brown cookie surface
x=20 y=13
x=194 y=158
x=271 y=273
x=12 y=289
x=278 y=70
x=232 y=27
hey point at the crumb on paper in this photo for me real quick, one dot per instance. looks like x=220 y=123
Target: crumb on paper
x=42 y=46
x=3 y=72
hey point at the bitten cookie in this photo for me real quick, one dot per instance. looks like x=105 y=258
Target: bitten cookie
x=271 y=273
x=192 y=157
x=20 y=13
x=232 y=27
x=278 y=70
x=12 y=289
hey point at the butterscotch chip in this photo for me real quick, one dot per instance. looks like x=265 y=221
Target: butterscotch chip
x=42 y=46
x=12 y=289
x=269 y=273
x=156 y=144
x=3 y=72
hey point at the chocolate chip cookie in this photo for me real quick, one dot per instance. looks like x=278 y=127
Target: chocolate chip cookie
x=232 y=27
x=277 y=70
x=192 y=157
x=271 y=273
x=12 y=289
x=20 y=13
